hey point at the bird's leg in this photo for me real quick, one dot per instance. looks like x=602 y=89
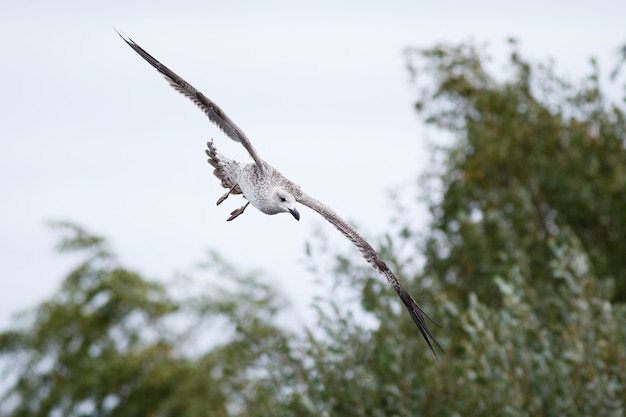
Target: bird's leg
x=225 y=196
x=237 y=212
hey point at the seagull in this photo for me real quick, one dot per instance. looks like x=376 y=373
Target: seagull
x=272 y=193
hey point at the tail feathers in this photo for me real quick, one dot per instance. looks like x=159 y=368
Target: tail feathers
x=217 y=161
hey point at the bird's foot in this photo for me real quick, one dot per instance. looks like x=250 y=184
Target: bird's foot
x=225 y=196
x=222 y=198
x=237 y=213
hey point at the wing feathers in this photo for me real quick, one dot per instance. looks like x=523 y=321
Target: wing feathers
x=212 y=110
x=370 y=255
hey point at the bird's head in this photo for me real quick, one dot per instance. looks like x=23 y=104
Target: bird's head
x=285 y=202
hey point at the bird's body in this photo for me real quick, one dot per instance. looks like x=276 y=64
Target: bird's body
x=272 y=193
x=261 y=185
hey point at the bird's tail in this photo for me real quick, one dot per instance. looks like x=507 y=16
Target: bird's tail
x=219 y=162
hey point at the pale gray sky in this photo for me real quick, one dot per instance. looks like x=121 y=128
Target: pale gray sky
x=91 y=133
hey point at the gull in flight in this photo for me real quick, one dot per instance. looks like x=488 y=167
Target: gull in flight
x=270 y=192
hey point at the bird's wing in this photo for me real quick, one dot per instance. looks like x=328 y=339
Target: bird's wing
x=215 y=114
x=372 y=258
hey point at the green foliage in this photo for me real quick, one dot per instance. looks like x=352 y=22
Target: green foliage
x=111 y=343
x=526 y=236
x=532 y=154
x=545 y=351
x=88 y=342
x=523 y=272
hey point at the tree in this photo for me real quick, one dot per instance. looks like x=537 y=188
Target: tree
x=526 y=234
x=534 y=154
x=82 y=352
x=111 y=343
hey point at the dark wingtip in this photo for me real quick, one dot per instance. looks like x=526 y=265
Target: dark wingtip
x=417 y=314
x=124 y=37
x=145 y=55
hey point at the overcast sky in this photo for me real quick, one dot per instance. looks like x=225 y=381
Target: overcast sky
x=92 y=134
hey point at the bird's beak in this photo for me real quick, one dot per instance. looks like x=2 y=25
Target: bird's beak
x=295 y=213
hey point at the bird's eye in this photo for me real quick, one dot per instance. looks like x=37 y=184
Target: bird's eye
x=283 y=199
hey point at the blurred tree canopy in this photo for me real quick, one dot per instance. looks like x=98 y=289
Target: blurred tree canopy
x=523 y=269
x=534 y=155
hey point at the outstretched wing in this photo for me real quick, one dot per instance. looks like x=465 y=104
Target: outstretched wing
x=371 y=256
x=215 y=114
